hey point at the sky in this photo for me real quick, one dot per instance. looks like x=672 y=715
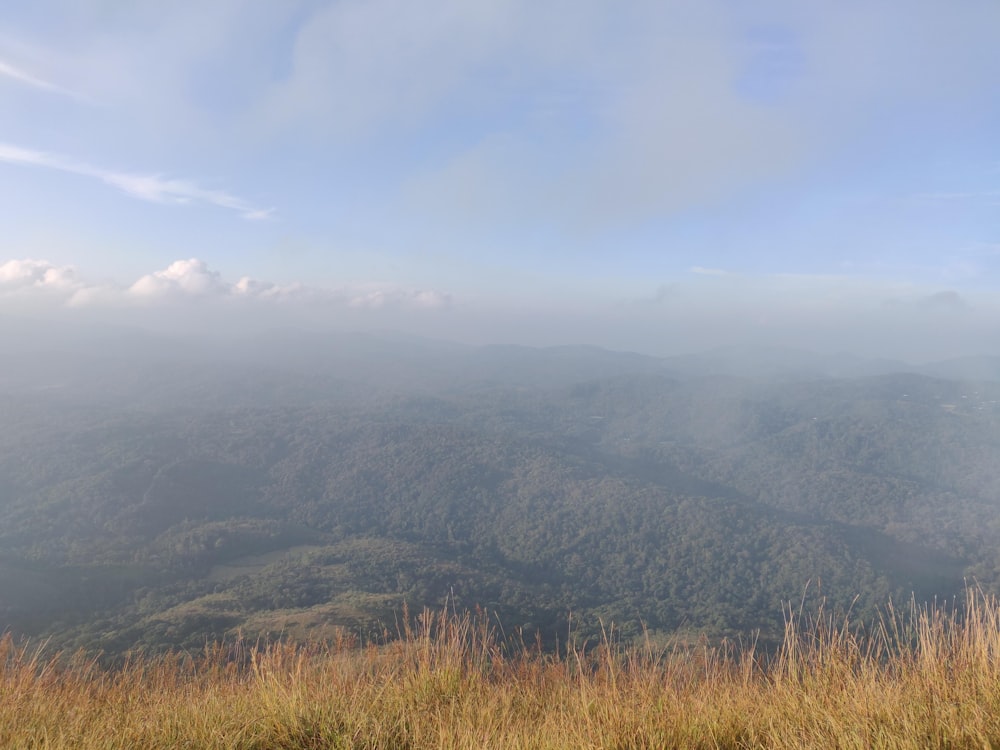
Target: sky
x=656 y=176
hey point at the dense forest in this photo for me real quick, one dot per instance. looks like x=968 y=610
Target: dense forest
x=152 y=499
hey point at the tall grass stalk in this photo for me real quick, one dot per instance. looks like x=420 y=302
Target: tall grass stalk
x=924 y=677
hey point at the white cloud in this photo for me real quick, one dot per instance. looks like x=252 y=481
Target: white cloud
x=190 y=277
x=390 y=296
x=39 y=280
x=192 y=280
x=676 y=110
x=37 y=274
x=249 y=288
x=153 y=188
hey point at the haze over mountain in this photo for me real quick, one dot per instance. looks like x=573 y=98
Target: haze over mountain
x=157 y=492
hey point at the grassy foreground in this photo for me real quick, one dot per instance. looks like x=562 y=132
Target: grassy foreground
x=922 y=679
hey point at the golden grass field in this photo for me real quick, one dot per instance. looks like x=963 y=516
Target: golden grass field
x=919 y=679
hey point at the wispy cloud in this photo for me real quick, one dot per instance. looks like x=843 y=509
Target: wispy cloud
x=991 y=197
x=27 y=79
x=153 y=188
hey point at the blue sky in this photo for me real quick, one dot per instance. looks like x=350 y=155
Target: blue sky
x=658 y=176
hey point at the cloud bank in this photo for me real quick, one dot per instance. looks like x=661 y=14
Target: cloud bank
x=190 y=281
x=693 y=312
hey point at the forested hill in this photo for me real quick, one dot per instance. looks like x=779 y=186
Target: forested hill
x=155 y=506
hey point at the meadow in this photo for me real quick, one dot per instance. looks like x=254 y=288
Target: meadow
x=917 y=678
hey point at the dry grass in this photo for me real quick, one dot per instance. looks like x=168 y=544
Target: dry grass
x=923 y=678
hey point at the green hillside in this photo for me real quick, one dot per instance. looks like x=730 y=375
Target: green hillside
x=700 y=504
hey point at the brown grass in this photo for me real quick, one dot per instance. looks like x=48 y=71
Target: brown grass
x=919 y=679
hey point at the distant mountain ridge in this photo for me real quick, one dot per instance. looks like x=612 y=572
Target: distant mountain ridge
x=34 y=349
